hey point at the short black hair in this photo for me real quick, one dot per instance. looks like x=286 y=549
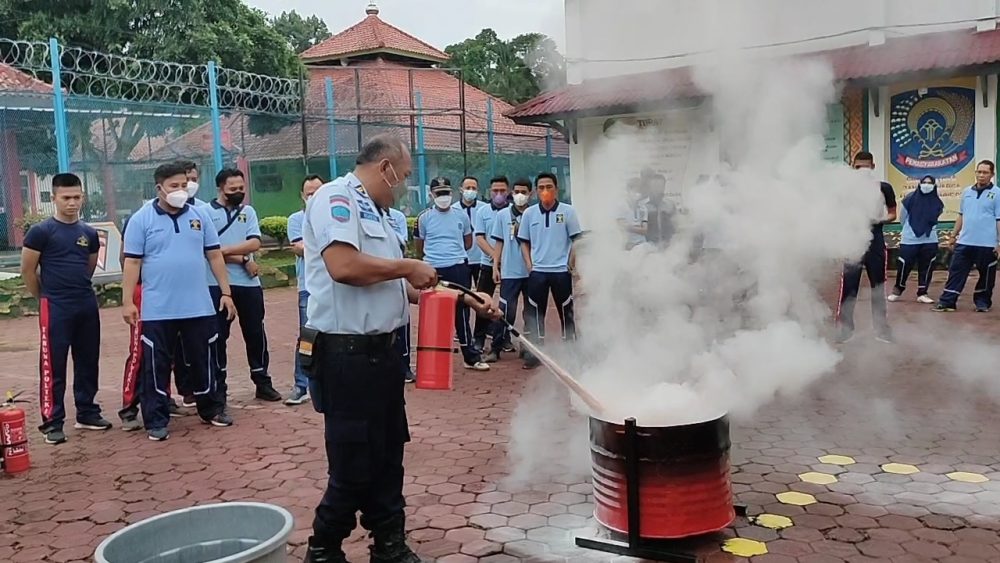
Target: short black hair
x=499 y=180
x=440 y=182
x=473 y=178
x=381 y=146
x=227 y=173
x=65 y=180
x=988 y=163
x=523 y=182
x=168 y=170
x=864 y=155
x=312 y=177
x=543 y=175
x=188 y=165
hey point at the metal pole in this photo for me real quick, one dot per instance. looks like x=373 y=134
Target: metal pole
x=331 y=128
x=490 y=147
x=421 y=158
x=302 y=124
x=461 y=119
x=213 y=96
x=62 y=130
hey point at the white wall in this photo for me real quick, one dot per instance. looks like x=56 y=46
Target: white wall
x=613 y=31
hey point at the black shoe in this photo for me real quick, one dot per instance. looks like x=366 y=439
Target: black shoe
x=189 y=401
x=390 y=544
x=885 y=337
x=410 y=376
x=55 y=436
x=316 y=553
x=491 y=358
x=982 y=309
x=508 y=347
x=531 y=362
x=265 y=392
x=843 y=336
x=174 y=410
x=96 y=423
x=221 y=420
x=939 y=308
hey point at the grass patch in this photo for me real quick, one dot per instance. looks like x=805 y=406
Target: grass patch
x=277 y=258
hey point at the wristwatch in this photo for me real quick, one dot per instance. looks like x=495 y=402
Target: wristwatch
x=245 y=259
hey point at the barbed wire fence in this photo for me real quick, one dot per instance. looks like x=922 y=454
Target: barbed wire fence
x=112 y=119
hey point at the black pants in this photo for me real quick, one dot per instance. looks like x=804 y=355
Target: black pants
x=475 y=270
x=364 y=419
x=66 y=326
x=962 y=261
x=159 y=340
x=486 y=285
x=460 y=274
x=873 y=263
x=249 y=303
x=403 y=344
x=537 y=289
x=921 y=257
x=511 y=290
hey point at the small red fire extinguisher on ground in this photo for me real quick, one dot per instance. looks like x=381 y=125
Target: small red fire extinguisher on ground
x=435 y=331
x=13 y=437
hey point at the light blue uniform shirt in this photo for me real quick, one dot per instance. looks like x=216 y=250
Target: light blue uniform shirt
x=980 y=212
x=295 y=235
x=172 y=249
x=551 y=235
x=909 y=237
x=443 y=233
x=235 y=226
x=504 y=228
x=397 y=220
x=482 y=224
x=341 y=211
x=474 y=254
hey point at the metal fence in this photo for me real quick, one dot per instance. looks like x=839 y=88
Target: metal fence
x=113 y=119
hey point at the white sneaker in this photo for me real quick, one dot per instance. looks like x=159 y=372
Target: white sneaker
x=892 y=297
x=478 y=366
x=925 y=300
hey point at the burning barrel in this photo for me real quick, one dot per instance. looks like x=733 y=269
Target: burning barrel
x=672 y=480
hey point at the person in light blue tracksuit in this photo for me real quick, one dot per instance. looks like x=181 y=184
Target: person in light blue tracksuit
x=918 y=248
x=300 y=389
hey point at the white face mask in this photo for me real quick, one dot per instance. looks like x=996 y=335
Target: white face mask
x=177 y=199
x=926 y=188
x=192 y=188
x=521 y=200
x=469 y=195
x=443 y=201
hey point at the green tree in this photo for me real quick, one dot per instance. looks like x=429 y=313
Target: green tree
x=514 y=70
x=301 y=33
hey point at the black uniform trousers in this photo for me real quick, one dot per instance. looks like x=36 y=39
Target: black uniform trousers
x=475 y=270
x=485 y=284
x=537 y=289
x=65 y=326
x=459 y=273
x=962 y=261
x=874 y=263
x=249 y=302
x=921 y=257
x=364 y=418
x=511 y=290
x=159 y=340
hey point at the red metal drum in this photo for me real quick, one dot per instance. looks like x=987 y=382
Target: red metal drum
x=683 y=477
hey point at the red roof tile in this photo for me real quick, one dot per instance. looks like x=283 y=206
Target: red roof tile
x=12 y=79
x=372 y=35
x=899 y=56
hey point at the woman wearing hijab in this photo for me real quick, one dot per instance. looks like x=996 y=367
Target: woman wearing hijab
x=919 y=217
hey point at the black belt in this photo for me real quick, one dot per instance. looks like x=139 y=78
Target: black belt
x=357 y=343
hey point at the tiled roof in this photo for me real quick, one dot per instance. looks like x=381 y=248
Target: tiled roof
x=899 y=56
x=372 y=35
x=12 y=79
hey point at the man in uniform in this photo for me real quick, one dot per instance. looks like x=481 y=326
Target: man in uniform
x=361 y=288
x=546 y=233
x=168 y=241
x=509 y=269
x=482 y=225
x=239 y=234
x=65 y=249
x=300 y=390
x=469 y=203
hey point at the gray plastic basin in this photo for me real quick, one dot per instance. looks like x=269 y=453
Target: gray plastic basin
x=231 y=532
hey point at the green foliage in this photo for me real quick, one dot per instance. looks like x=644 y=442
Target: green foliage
x=275 y=227
x=515 y=70
x=29 y=219
x=301 y=33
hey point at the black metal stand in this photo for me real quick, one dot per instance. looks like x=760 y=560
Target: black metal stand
x=673 y=551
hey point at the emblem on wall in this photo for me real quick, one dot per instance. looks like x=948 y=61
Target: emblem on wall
x=932 y=133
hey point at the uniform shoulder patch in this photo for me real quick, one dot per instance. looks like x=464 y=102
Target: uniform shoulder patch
x=560 y=218
x=82 y=241
x=340 y=208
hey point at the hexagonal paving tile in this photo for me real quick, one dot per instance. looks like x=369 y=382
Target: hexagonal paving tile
x=796 y=499
x=742 y=547
x=900 y=468
x=836 y=459
x=967 y=477
x=818 y=478
x=772 y=521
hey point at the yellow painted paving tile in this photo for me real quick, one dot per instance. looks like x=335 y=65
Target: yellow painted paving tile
x=742 y=547
x=772 y=521
x=796 y=498
x=966 y=477
x=900 y=468
x=817 y=478
x=836 y=459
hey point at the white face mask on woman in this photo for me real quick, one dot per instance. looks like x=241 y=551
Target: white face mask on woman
x=926 y=188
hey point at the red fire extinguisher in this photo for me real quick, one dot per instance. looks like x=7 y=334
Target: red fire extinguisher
x=435 y=332
x=13 y=437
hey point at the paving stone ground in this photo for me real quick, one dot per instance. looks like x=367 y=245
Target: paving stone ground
x=884 y=405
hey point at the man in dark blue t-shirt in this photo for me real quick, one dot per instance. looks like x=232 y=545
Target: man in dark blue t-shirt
x=64 y=250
